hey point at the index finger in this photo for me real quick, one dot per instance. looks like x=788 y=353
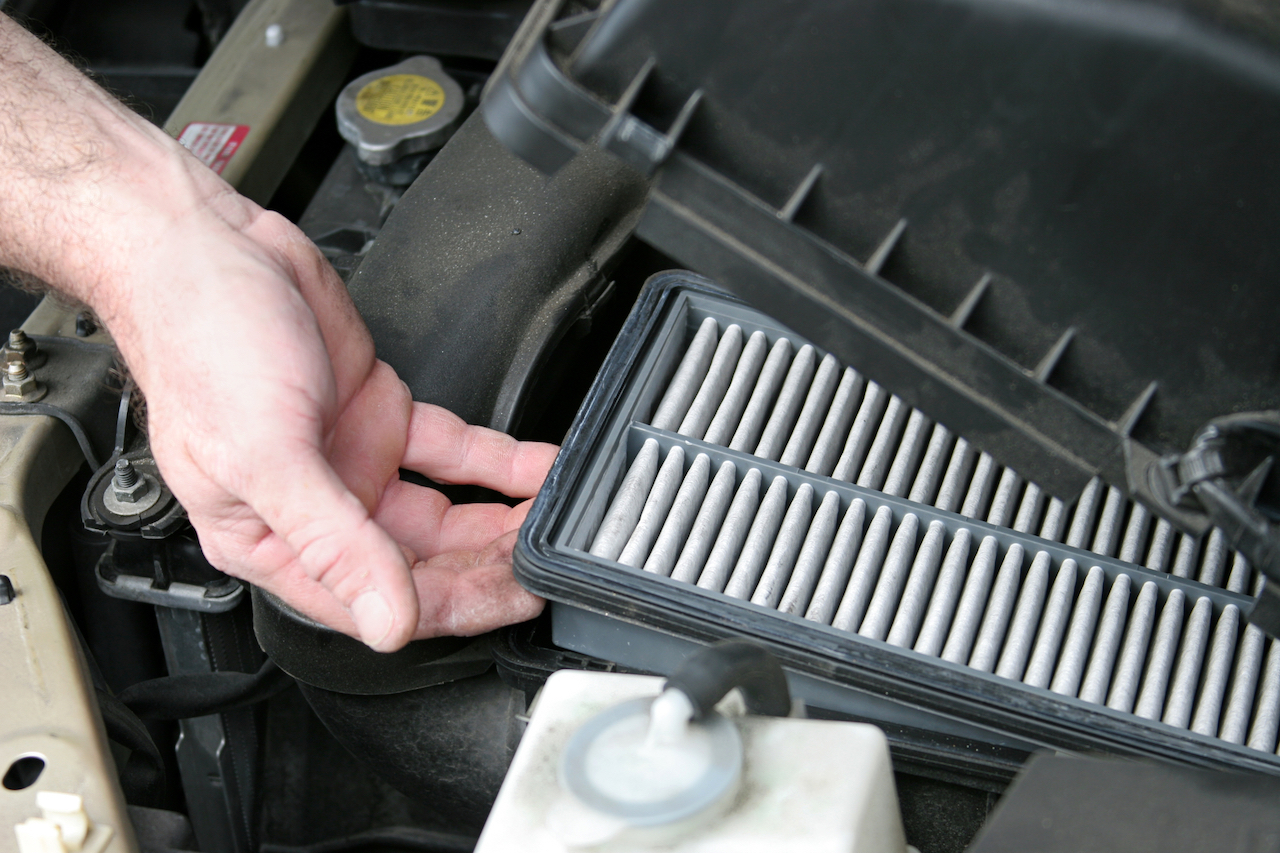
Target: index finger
x=445 y=448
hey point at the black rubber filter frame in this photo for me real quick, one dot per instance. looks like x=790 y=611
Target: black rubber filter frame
x=643 y=620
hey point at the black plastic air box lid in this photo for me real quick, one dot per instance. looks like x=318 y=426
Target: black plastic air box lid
x=1049 y=225
x=643 y=619
x=470 y=28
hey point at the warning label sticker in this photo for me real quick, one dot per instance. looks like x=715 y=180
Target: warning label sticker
x=399 y=99
x=213 y=144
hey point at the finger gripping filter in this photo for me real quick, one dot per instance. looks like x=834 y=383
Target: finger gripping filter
x=725 y=478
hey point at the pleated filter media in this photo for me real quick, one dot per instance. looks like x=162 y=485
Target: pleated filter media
x=736 y=484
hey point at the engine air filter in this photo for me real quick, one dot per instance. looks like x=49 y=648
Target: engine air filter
x=724 y=478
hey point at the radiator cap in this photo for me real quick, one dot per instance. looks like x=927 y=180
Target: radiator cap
x=405 y=109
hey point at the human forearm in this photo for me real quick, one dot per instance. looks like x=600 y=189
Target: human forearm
x=105 y=208
x=71 y=160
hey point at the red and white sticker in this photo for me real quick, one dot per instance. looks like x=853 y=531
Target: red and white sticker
x=213 y=144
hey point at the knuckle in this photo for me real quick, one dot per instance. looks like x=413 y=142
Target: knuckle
x=327 y=557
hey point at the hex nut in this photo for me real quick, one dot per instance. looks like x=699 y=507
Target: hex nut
x=132 y=500
x=20 y=347
x=131 y=494
x=20 y=386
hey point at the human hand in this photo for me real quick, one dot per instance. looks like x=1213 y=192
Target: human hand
x=270 y=418
x=285 y=451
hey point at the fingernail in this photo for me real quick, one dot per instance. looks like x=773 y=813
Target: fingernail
x=373 y=618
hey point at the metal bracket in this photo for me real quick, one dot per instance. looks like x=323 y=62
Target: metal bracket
x=77 y=376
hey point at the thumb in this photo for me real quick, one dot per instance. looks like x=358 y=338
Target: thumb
x=338 y=545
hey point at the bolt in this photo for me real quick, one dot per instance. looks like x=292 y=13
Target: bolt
x=129 y=485
x=126 y=476
x=21 y=347
x=19 y=385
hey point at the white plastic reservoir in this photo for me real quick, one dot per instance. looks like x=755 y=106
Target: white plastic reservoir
x=732 y=785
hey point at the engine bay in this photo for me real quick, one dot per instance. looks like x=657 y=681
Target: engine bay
x=873 y=336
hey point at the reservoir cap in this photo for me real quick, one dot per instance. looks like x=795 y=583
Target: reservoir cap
x=405 y=109
x=616 y=766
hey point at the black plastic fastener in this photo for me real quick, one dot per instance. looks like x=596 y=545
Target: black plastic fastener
x=708 y=674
